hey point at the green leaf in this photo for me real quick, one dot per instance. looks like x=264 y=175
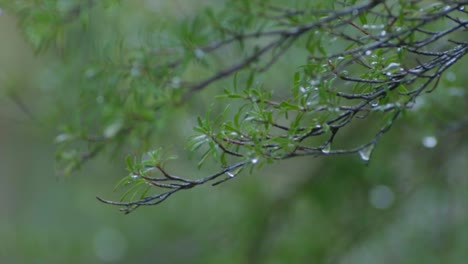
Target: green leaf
x=196 y=142
x=402 y=88
x=124 y=181
x=363 y=18
x=131 y=189
x=203 y=158
x=145 y=191
x=128 y=161
x=250 y=80
x=285 y=105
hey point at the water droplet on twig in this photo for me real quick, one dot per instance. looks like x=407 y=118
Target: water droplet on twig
x=366 y=152
x=326 y=149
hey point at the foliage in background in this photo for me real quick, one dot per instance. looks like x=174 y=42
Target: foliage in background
x=363 y=61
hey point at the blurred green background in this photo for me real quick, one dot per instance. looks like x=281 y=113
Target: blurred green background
x=409 y=205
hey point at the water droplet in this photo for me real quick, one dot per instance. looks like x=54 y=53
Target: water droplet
x=230 y=174
x=368 y=52
x=429 y=141
x=372 y=26
x=461 y=8
x=134 y=176
x=254 y=161
x=366 y=152
x=415 y=70
x=391 y=65
x=326 y=149
x=381 y=197
x=383 y=33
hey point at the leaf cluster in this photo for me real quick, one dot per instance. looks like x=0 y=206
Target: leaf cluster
x=362 y=61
